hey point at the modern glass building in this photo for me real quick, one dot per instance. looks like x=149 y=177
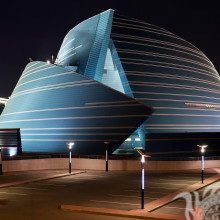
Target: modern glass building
x=111 y=73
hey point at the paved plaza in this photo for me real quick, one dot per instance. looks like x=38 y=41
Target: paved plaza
x=46 y=194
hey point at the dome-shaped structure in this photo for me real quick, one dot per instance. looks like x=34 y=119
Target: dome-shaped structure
x=170 y=74
x=175 y=78
x=120 y=60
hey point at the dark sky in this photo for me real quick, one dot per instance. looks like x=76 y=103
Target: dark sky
x=36 y=29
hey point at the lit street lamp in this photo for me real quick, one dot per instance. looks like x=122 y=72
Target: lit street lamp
x=142 y=181
x=70 y=145
x=106 y=156
x=142 y=176
x=202 y=159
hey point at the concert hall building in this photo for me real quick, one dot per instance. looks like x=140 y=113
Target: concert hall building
x=119 y=80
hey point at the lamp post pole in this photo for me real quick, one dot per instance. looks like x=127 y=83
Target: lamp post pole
x=1 y=172
x=106 y=155
x=70 y=145
x=202 y=165
x=70 y=161
x=142 y=181
x=202 y=160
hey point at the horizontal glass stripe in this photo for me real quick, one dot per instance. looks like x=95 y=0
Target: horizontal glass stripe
x=175 y=58
x=126 y=18
x=188 y=109
x=175 y=94
x=117 y=36
x=66 y=58
x=146 y=29
x=193 y=115
x=188 y=68
x=68 y=51
x=175 y=125
x=66 y=43
x=68 y=118
x=24 y=76
x=78 y=128
x=29 y=65
x=72 y=140
x=210 y=74
x=161 y=47
x=177 y=86
x=74 y=83
x=42 y=64
x=81 y=134
x=45 y=77
x=176 y=77
x=115 y=102
x=174 y=128
x=172 y=100
x=78 y=107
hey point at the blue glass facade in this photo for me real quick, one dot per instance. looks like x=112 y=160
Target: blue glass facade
x=53 y=106
x=176 y=79
x=168 y=73
x=109 y=75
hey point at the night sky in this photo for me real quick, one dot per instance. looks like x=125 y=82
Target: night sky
x=36 y=29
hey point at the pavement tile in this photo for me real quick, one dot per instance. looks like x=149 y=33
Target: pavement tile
x=4 y=201
x=170 y=198
x=149 y=207
x=48 y=176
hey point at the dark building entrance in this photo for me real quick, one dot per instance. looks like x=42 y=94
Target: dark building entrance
x=10 y=143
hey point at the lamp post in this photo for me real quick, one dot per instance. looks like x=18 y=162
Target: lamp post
x=142 y=176
x=106 y=155
x=70 y=145
x=142 y=181
x=202 y=160
x=1 y=162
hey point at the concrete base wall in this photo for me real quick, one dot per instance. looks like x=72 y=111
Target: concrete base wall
x=97 y=164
